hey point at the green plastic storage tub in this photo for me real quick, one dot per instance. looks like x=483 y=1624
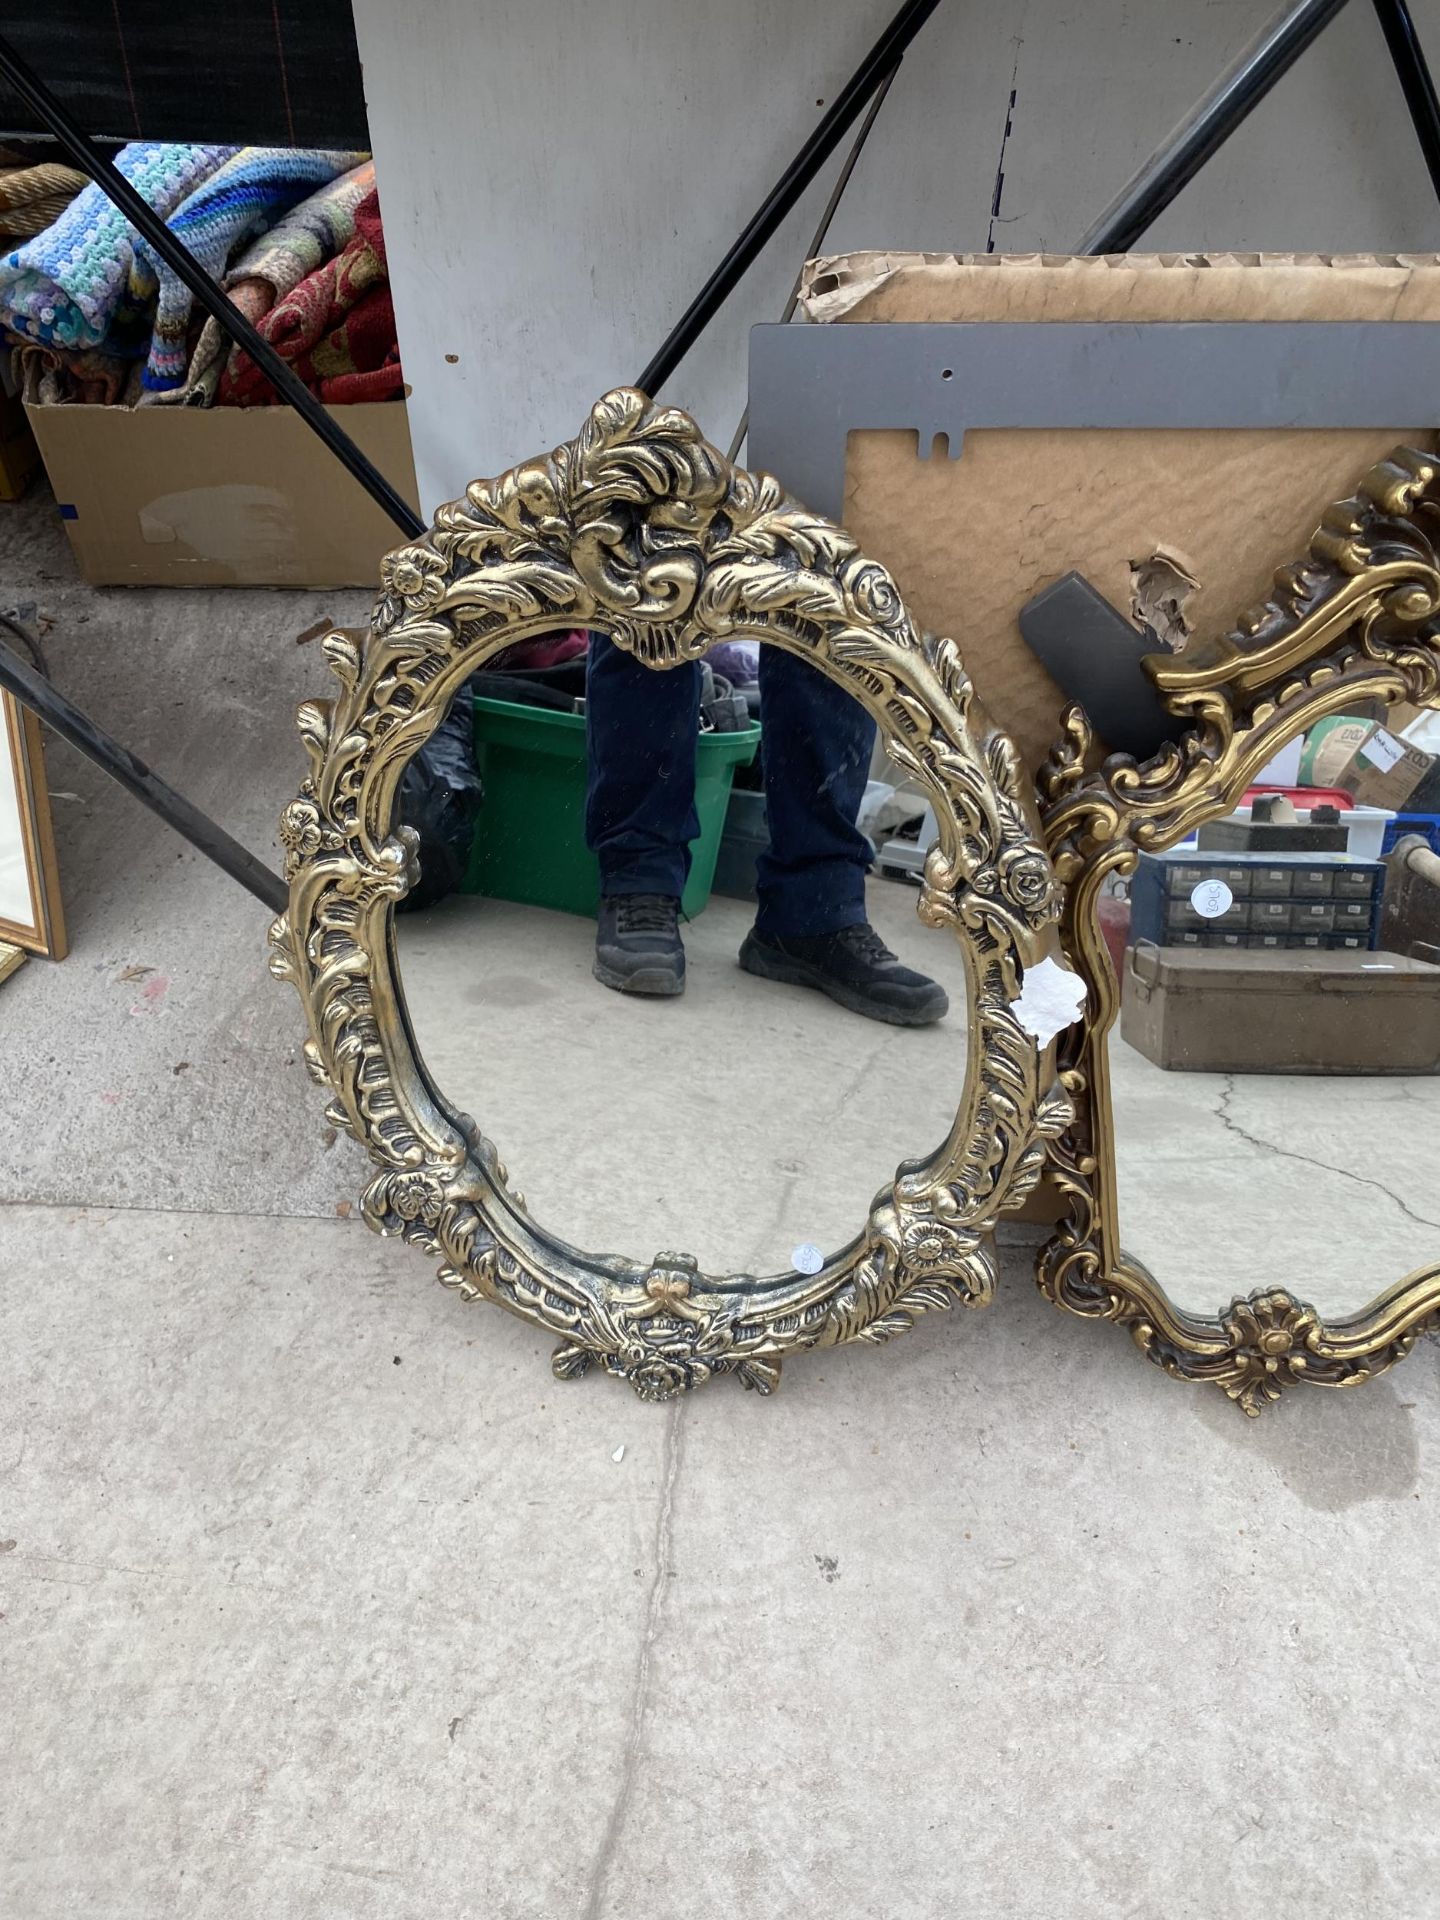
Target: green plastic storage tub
x=530 y=841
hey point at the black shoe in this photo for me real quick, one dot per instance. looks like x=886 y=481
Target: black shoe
x=855 y=968
x=637 y=944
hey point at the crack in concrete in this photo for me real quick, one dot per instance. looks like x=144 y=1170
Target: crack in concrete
x=1231 y=1125
x=1425 y=1100
x=98 y=1210
x=856 y=1081
x=862 y=1073
x=614 y=1833
x=782 y=1207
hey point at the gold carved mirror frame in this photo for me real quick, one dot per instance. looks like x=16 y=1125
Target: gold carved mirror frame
x=641 y=530
x=1358 y=618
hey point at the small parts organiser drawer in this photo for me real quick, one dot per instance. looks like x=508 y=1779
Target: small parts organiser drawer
x=1183 y=914
x=1304 y=901
x=1271 y=916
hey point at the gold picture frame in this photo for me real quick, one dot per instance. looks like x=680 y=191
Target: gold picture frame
x=639 y=529
x=1357 y=619
x=35 y=920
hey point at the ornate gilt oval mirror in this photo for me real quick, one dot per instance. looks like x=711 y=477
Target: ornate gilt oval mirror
x=1265 y=1041
x=746 y=1119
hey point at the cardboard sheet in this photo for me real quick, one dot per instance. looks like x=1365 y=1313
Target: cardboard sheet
x=221 y=496
x=1142 y=513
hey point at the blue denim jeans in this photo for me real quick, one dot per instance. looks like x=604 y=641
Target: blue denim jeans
x=640 y=809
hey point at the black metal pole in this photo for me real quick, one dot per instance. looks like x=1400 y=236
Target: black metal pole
x=1414 y=71
x=143 y=216
x=21 y=679
x=782 y=197
x=1207 y=127
x=817 y=239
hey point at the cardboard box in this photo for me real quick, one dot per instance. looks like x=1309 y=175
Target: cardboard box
x=1385 y=771
x=221 y=496
x=1330 y=748
x=1142 y=514
x=19 y=456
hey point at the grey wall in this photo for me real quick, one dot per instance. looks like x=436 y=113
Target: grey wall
x=557 y=179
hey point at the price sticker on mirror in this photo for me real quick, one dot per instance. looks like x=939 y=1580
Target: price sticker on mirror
x=1211 y=898
x=807 y=1258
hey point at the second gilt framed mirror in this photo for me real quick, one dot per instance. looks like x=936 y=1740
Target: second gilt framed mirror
x=639 y=530
x=1250 y=1177
x=31 y=914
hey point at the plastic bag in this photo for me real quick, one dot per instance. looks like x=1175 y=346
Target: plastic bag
x=440 y=797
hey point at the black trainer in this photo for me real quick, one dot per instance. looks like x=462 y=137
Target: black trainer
x=855 y=968
x=637 y=944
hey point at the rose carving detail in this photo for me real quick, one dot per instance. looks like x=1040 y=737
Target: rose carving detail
x=1026 y=878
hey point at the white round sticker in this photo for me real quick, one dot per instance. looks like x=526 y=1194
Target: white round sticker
x=1212 y=898
x=807 y=1258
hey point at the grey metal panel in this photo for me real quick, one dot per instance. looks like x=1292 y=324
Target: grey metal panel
x=810 y=386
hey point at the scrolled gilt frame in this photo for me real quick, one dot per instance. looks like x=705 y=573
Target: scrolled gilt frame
x=639 y=529
x=1358 y=617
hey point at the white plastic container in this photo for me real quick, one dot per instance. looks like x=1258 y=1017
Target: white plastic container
x=1364 y=828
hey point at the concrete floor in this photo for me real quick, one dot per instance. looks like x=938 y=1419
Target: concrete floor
x=319 y=1597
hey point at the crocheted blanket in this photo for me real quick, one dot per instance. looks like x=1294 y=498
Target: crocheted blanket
x=69 y=286
x=33 y=198
x=265 y=272
x=313 y=309
x=251 y=191
x=317 y=230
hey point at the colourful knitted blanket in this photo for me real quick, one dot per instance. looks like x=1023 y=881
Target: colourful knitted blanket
x=317 y=230
x=265 y=272
x=68 y=286
x=313 y=309
x=33 y=198
x=254 y=187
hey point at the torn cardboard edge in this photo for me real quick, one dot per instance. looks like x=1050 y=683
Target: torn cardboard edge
x=1160 y=586
x=1126 y=286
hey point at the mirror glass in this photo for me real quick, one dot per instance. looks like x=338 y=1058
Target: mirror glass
x=746 y=1119
x=16 y=904
x=1276 y=1064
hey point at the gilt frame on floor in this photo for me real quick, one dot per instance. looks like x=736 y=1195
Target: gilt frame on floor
x=27 y=838
x=1357 y=619
x=639 y=529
